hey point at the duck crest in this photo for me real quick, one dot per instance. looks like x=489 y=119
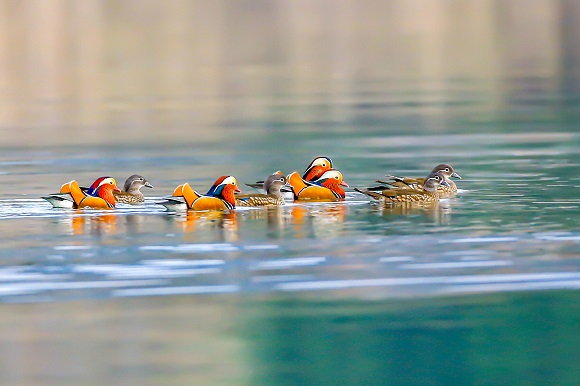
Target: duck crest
x=317 y=168
x=92 y=190
x=217 y=186
x=225 y=187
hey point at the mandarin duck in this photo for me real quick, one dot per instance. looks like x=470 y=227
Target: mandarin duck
x=315 y=170
x=221 y=196
x=100 y=195
x=131 y=193
x=273 y=186
x=326 y=188
x=429 y=192
x=417 y=183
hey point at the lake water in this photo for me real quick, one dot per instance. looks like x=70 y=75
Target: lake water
x=482 y=289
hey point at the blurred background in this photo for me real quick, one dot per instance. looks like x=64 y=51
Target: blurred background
x=483 y=289
x=97 y=72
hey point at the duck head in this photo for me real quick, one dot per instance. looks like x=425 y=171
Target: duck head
x=446 y=170
x=225 y=188
x=433 y=181
x=333 y=180
x=135 y=182
x=317 y=168
x=104 y=187
x=274 y=183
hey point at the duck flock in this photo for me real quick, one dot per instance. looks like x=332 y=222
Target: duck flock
x=319 y=183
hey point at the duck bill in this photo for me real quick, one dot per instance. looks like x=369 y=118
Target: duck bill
x=116 y=189
x=343 y=184
x=237 y=190
x=147 y=184
x=455 y=175
x=445 y=183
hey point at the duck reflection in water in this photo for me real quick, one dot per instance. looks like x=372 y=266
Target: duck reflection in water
x=318 y=220
x=438 y=212
x=204 y=223
x=300 y=221
x=99 y=224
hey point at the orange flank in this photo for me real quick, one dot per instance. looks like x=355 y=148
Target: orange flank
x=105 y=199
x=220 y=197
x=329 y=191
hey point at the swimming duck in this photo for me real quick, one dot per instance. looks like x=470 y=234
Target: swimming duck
x=100 y=195
x=272 y=186
x=315 y=170
x=326 y=188
x=417 y=183
x=131 y=193
x=429 y=192
x=221 y=196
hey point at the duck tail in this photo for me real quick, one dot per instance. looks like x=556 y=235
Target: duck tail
x=189 y=194
x=72 y=188
x=375 y=195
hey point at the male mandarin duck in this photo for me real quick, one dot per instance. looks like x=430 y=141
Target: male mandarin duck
x=326 y=188
x=221 y=196
x=131 y=193
x=315 y=170
x=273 y=186
x=100 y=195
x=429 y=192
x=417 y=183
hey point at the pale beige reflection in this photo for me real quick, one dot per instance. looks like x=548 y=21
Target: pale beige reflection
x=112 y=71
x=145 y=341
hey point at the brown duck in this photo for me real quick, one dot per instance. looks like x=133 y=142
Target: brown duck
x=131 y=193
x=417 y=183
x=273 y=185
x=428 y=193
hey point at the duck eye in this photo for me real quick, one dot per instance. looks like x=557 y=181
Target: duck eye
x=446 y=169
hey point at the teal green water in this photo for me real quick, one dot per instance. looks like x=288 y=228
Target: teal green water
x=480 y=290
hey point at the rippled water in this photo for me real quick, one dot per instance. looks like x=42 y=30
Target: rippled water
x=254 y=282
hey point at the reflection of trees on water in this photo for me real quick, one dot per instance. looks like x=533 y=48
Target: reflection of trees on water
x=129 y=66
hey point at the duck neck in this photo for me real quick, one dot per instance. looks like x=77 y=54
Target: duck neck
x=106 y=194
x=134 y=191
x=228 y=195
x=335 y=187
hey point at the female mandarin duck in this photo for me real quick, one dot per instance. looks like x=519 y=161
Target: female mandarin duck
x=131 y=193
x=273 y=186
x=429 y=192
x=417 y=183
x=221 y=196
x=100 y=195
x=314 y=171
x=325 y=188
